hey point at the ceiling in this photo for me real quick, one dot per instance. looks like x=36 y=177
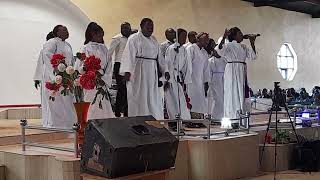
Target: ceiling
x=311 y=7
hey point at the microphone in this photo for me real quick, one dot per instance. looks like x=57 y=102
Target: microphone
x=247 y=36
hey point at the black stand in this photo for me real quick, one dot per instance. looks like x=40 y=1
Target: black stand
x=278 y=100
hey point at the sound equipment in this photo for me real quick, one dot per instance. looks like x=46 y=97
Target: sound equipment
x=123 y=146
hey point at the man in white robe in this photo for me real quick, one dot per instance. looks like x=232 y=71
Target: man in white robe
x=198 y=57
x=236 y=55
x=60 y=112
x=192 y=37
x=139 y=66
x=117 y=45
x=180 y=75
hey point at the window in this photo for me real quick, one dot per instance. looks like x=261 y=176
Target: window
x=287 y=62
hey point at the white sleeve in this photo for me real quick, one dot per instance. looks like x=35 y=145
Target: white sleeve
x=187 y=70
x=128 y=57
x=107 y=77
x=39 y=68
x=113 y=45
x=190 y=56
x=251 y=55
x=206 y=72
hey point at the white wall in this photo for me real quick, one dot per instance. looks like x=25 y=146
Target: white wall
x=24 y=25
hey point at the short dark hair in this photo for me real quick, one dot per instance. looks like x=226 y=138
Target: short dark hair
x=144 y=21
x=191 y=33
x=93 y=27
x=55 y=30
x=180 y=30
x=125 y=24
x=233 y=32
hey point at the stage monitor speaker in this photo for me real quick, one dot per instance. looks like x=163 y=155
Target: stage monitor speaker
x=119 y=147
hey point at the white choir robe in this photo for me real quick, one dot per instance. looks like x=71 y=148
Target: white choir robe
x=178 y=65
x=215 y=93
x=142 y=90
x=61 y=112
x=99 y=51
x=200 y=75
x=234 y=77
x=39 y=68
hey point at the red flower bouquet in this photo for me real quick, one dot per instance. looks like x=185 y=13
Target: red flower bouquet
x=91 y=77
x=64 y=77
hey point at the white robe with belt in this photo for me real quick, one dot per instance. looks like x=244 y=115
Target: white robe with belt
x=200 y=75
x=61 y=112
x=178 y=65
x=234 y=77
x=142 y=90
x=99 y=51
x=215 y=93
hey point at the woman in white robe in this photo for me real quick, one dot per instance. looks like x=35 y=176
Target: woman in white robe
x=94 y=45
x=217 y=66
x=139 y=67
x=235 y=74
x=198 y=57
x=59 y=113
x=180 y=73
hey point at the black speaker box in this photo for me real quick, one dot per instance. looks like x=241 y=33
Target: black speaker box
x=119 y=147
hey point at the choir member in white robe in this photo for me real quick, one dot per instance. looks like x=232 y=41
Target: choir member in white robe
x=198 y=57
x=94 y=45
x=217 y=66
x=236 y=55
x=139 y=66
x=60 y=113
x=180 y=73
x=117 y=45
x=192 y=37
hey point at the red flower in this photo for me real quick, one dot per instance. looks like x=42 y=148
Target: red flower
x=92 y=63
x=88 y=80
x=56 y=59
x=52 y=86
